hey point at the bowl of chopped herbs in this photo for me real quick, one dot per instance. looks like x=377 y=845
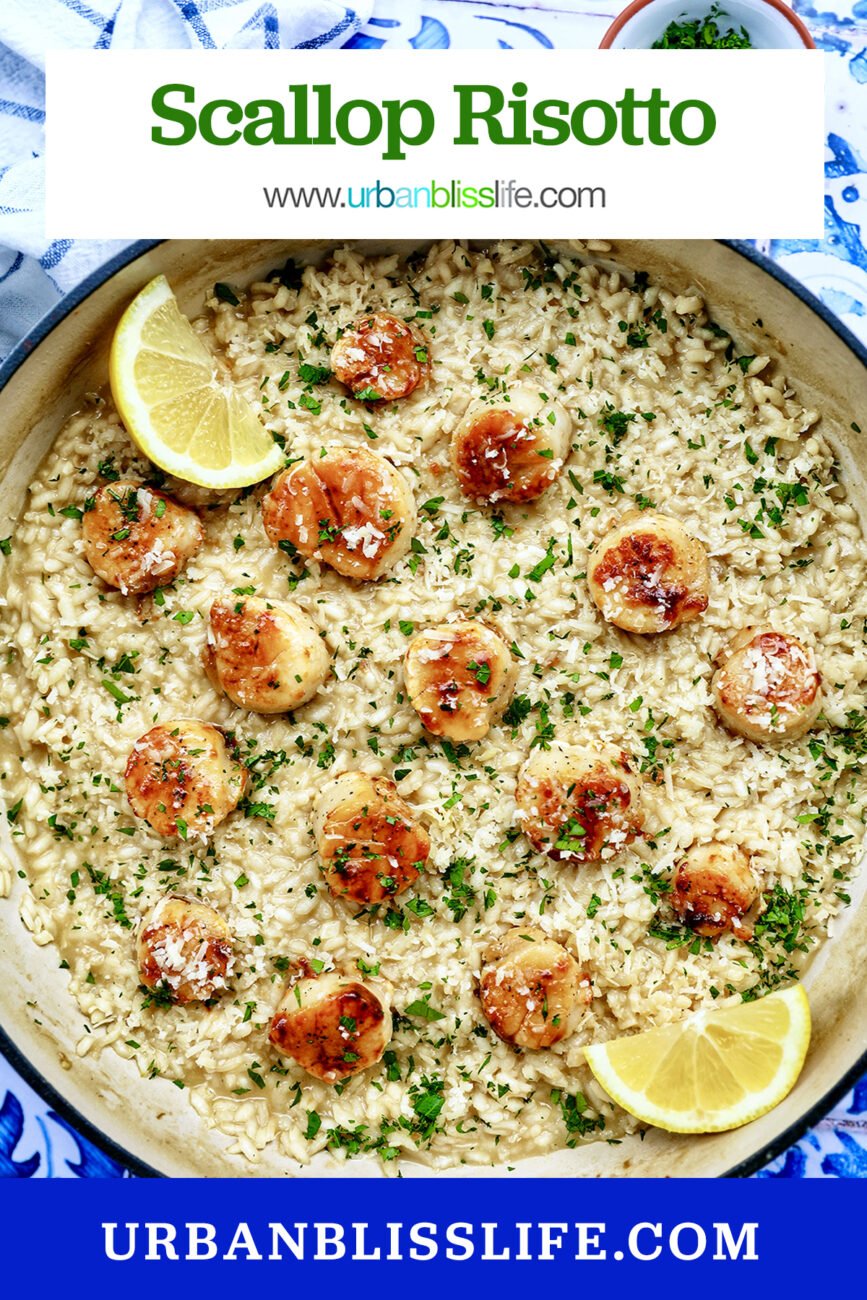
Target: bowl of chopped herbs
x=707 y=25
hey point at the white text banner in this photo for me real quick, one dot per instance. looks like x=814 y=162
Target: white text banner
x=548 y=144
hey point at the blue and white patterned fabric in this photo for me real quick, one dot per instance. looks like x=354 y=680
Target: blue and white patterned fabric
x=34 y=1140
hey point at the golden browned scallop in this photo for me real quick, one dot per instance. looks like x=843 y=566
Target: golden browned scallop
x=513 y=451
x=533 y=991
x=713 y=888
x=767 y=686
x=184 y=950
x=648 y=575
x=266 y=656
x=459 y=678
x=137 y=539
x=578 y=804
x=332 y=1024
x=371 y=844
x=380 y=358
x=184 y=778
x=349 y=508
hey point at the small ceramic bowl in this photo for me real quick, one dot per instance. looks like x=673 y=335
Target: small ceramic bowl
x=771 y=24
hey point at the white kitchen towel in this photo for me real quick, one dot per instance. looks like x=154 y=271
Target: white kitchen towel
x=33 y=268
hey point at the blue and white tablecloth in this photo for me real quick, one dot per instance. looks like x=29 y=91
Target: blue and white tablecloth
x=34 y=1141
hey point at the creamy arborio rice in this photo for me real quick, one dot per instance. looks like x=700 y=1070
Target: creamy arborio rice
x=666 y=411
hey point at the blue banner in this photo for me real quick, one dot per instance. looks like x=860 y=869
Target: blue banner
x=427 y=1233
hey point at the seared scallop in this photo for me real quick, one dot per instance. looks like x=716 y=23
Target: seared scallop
x=348 y=507
x=371 y=844
x=713 y=888
x=533 y=991
x=184 y=950
x=578 y=804
x=511 y=452
x=767 y=687
x=137 y=539
x=266 y=656
x=380 y=357
x=459 y=678
x=332 y=1024
x=184 y=778
x=648 y=575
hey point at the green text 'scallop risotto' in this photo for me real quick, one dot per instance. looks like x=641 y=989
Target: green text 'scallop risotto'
x=680 y=844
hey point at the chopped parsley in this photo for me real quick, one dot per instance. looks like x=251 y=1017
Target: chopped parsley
x=703 y=34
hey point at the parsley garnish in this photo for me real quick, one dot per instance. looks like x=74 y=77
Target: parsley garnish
x=703 y=34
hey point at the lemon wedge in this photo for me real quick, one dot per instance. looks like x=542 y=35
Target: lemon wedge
x=182 y=414
x=717 y=1070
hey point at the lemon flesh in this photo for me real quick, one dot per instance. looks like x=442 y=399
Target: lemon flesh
x=717 y=1070
x=176 y=407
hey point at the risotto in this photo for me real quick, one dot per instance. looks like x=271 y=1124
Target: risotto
x=647 y=405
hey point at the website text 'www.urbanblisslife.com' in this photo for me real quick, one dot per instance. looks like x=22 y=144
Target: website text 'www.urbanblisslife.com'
x=453 y=194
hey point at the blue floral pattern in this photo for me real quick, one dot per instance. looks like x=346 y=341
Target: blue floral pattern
x=37 y=1142
x=11 y=1130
